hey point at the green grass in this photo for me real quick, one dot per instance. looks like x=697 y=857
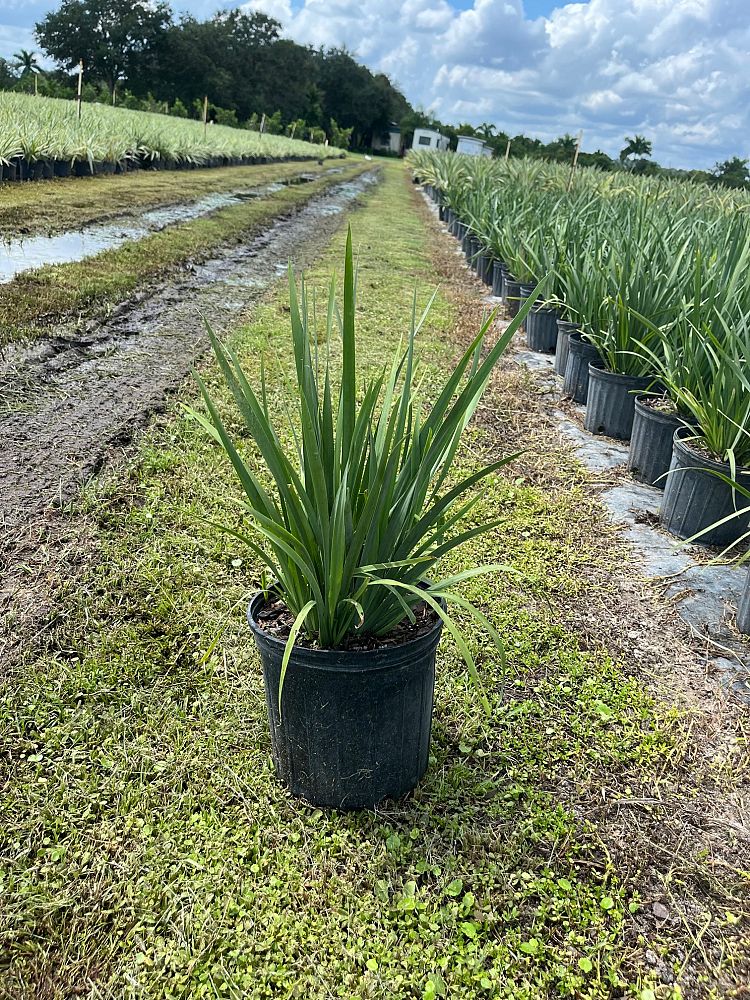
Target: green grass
x=151 y=853
x=55 y=206
x=35 y=300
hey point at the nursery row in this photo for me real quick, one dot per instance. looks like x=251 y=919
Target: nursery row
x=645 y=302
x=42 y=137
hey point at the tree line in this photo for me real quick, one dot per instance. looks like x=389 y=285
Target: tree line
x=138 y=54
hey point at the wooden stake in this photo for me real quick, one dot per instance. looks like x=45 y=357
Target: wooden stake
x=36 y=85
x=262 y=122
x=205 y=116
x=80 y=86
x=114 y=95
x=574 y=164
x=507 y=149
x=291 y=134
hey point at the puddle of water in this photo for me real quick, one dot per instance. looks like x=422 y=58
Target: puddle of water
x=26 y=254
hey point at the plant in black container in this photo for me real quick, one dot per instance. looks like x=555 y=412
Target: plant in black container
x=702 y=363
x=351 y=528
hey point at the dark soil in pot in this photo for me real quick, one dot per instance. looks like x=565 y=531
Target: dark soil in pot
x=541 y=329
x=564 y=330
x=695 y=498
x=576 y=375
x=651 y=440
x=610 y=402
x=355 y=724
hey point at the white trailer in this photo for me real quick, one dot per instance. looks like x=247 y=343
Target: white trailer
x=470 y=146
x=427 y=138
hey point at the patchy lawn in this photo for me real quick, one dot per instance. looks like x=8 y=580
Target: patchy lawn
x=557 y=847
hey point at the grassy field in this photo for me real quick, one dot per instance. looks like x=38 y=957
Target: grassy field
x=35 y=300
x=149 y=851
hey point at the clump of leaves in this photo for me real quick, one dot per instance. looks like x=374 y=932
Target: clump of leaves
x=360 y=516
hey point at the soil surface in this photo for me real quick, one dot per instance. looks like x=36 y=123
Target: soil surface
x=67 y=402
x=277 y=620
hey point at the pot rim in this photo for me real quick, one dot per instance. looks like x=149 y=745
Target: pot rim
x=382 y=657
x=707 y=463
x=665 y=418
x=598 y=369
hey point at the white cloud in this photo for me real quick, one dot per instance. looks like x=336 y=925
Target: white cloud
x=674 y=70
x=671 y=69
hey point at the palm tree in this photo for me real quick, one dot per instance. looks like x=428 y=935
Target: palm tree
x=26 y=62
x=486 y=130
x=639 y=145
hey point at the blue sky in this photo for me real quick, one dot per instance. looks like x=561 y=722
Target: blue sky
x=673 y=70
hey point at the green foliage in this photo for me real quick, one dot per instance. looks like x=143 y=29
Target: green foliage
x=732 y=173
x=366 y=509
x=340 y=137
x=656 y=273
x=637 y=146
x=116 y=39
x=43 y=127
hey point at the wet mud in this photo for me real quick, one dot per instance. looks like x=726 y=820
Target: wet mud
x=27 y=253
x=69 y=401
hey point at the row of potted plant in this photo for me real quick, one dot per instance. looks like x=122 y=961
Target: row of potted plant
x=650 y=329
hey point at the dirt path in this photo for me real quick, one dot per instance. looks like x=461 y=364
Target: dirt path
x=68 y=401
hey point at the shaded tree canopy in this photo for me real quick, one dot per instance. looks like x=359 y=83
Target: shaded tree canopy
x=732 y=173
x=116 y=39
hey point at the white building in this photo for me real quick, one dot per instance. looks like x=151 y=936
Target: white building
x=427 y=138
x=472 y=147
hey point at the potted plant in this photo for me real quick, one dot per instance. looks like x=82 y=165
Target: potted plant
x=351 y=529
x=641 y=274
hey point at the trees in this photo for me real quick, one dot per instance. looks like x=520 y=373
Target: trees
x=732 y=173
x=637 y=146
x=116 y=39
x=26 y=61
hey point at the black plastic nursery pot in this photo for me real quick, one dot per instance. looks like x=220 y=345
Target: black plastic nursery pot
x=498 y=269
x=610 y=401
x=541 y=329
x=576 y=376
x=743 y=608
x=512 y=295
x=651 y=442
x=355 y=725
x=483 y=266
x=471 y=249
x=694 y=497
x=487 y=267
x=564 y=330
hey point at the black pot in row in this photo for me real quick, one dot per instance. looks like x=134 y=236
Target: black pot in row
x=20 y=168
x=619 y=406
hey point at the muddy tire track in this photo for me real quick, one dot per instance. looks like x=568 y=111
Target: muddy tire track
x=68 y=402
